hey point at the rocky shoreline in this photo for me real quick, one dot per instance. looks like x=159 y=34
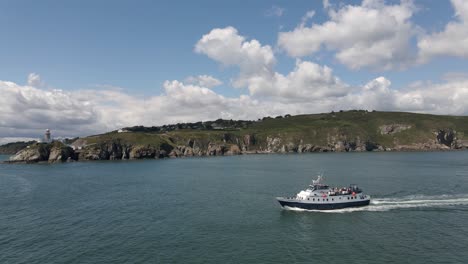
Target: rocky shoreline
x=228 y=144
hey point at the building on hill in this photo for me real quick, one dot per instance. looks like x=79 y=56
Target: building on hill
x=47 y=136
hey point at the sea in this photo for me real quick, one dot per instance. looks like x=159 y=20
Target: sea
x=223 y=210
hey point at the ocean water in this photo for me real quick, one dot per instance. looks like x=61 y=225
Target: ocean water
x=223 y=210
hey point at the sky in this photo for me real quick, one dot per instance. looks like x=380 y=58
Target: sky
x=86 y=67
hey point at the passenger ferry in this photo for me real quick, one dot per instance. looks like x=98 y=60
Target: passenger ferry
x=319 y=196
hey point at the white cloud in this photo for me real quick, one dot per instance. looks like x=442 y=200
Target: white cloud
x=226 y=46
x=372 y=34
x=34 y=80
x=307 y=81
x=256 y=63
x=309 y=15
x=453 y=41
x=24 y=109
x=204 y=81
x=274 y=11
x=310 y=88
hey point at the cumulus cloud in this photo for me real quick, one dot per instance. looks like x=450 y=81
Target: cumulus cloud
x=204 y=81
x=372 y=34
x=310 y=87
x=256 y=65
x=227 y=47
x=453 y=40
x=26 y=111
x=307 y=81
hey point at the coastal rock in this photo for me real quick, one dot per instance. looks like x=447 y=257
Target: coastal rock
x=178 y=152
x=249 y=140
x=116 y=151
x=190 y=143
x=53 y=152
x=393 y=128
x=188 y=152
x=162 y=153
x=34 y=153
x=215 y=149
x=340 y=146
x=273 y=144
x=370 y=146
x=234 y=150
x=307 y=148
x=93 y=152
x=446 y=137
x=60 y=154
x=144 y=152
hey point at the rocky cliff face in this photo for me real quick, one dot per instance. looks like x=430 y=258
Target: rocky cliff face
x=447 y=137
x=393 y=128
x=228 y=144
x=41 y=152
x=60 y=153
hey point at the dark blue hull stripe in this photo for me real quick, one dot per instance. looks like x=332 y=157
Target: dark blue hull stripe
x=324 y=206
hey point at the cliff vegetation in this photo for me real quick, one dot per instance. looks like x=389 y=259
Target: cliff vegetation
x=344 y=131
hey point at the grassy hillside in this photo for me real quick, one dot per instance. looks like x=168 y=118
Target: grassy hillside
x=342 y=131
x=381 y=128
x=365 y=125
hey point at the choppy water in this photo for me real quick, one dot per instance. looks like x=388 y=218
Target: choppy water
x=222 y=210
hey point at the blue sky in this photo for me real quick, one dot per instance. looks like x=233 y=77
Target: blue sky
x=140 y=44
x=77 y=48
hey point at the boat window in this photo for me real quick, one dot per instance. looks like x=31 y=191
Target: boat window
x=333 y=199
x=348 y=198
x=313 y=199
x=327 y=199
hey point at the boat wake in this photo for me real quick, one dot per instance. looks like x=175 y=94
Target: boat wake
x=407 y=202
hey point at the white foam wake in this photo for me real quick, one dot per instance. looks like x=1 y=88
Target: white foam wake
x=407 y=202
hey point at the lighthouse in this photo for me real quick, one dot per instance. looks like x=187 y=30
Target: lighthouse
x=47 y=136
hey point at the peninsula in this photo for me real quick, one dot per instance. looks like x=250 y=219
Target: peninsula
x=343 y=131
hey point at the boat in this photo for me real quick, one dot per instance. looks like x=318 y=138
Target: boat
x=319 y=196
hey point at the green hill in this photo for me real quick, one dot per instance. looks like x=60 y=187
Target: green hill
x=340 y=131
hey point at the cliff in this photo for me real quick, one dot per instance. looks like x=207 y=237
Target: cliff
x=43 y=152
x=331 y=132
x=14 y=147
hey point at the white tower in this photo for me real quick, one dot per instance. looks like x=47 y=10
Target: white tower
x=47 y=136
